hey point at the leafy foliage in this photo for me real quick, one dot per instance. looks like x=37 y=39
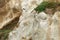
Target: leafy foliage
x=45 y=5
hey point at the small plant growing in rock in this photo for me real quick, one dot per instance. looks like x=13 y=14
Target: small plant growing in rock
x=45 y=5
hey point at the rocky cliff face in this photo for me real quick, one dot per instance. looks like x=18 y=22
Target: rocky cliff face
x=36 y=26
x=9 y=10
x=32 y=25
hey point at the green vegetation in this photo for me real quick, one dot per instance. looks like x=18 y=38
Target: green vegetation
x=4 y=34
x=45 y=5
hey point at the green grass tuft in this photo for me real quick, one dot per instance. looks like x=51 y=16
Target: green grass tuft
x=45 y=5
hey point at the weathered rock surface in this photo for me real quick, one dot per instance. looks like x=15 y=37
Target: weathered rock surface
x=34 y=26
x=9 y=10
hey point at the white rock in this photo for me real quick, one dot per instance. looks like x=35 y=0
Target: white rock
x=34 y=26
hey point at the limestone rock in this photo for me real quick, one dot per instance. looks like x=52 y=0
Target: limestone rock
x=9 y=11
x=36 y=26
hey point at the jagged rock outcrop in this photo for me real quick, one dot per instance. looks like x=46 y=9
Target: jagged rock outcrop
x=36 y=26
x=9 y=10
